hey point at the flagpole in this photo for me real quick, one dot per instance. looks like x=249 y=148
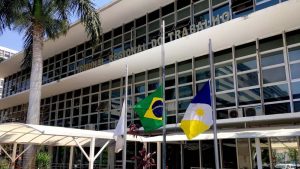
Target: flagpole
x=125 y=120
x=164 y=160
x=212 y=86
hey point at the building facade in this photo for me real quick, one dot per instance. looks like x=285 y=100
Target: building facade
x=256 y=46
x=5 y=53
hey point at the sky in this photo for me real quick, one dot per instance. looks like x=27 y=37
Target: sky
x=14 y=40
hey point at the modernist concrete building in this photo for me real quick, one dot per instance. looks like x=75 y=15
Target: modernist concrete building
x=5 y=53
x=256 y=46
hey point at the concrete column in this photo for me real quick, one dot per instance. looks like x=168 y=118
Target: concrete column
x=158 y=158
x=71 y=157
x=258 y=153
x=111 y=156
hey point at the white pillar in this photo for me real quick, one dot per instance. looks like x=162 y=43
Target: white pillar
x=158 y=157
x=258 y=153
x=13 y=156
x=111 y=156
x=92 y=153
x=71 y=157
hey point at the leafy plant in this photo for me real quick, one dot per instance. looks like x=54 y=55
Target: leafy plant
x=43 y=160
x=144 y=159
x=4 y=164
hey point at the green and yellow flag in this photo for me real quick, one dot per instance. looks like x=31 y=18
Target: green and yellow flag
x=150 y=110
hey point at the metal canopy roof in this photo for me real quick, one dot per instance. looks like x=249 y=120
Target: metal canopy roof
x=55 y=136
x=278 y=131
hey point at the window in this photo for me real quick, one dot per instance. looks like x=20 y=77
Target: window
x=274 y=75
x=241 y=7
x=272 y=58
x=294 y=54
x=225 y=100
x=246 y=64
x=277 y=108
x=247 y=79
x=251 y=96
x=261 y=4
x=276 y=93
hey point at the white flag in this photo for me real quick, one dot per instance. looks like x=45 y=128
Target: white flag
x=120 y=131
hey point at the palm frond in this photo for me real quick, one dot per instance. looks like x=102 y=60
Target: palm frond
x=28 y=41
x=89 y=17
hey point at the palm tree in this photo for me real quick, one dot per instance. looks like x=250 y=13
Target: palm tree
x=40 y=20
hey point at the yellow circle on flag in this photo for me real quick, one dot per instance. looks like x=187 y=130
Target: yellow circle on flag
x=200 y=112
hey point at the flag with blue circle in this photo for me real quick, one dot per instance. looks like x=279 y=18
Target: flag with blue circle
x=198 y=116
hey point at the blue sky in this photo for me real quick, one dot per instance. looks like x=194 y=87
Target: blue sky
x=14 y=40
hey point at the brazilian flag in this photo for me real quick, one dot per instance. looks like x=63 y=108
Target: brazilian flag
x=150 y=110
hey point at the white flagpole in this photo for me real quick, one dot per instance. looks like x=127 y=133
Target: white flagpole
x=125 y=120
x=213 y=96
x=164 y=160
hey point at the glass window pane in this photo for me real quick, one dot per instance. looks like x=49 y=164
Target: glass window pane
x=115 y=93
x=293 y=37
x=295 y=71
x=276 y=93
x=277 y=108
x=140 y=77
x=294 y=54
x=224 y=84
x=274 y=75
x=185 y=78
x=272 y=58
x=203 y=74
x=296 y=90
x=246 y=64
x=297 y=106
x=203 y=5
x=201 y=61
x=224 y=69
x=185 y=91
x=249 y=96
x=170 y=94
x=248 y=79
x=140 y=88
x=182 y=105
x=223 y=55
x=153 y=85
x=225 y=100
x=185 y=65
x=170 y=81
x=245 y=49
x=271 y=43
x=153 y=73
x=183 y=13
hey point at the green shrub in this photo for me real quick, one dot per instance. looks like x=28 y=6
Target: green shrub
x=4 y=164
x=43 y=160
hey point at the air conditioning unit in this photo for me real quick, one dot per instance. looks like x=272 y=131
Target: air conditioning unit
x=235 y=113
x=253 y=111
x=90 y=126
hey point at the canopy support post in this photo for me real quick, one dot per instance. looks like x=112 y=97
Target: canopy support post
x=13 y=157
x=158 y=159
x=102 y=148
x=82 y=150
x=5 y=152
x=92 y=153
x=258 y=153
x=71 y=157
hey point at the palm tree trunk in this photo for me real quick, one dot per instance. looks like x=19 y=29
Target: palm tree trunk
x=33 y=114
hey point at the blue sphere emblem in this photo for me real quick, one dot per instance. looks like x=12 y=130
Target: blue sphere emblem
x=157 y=108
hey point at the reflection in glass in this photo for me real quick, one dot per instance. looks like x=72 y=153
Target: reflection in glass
x=191 y=154
x=294 y=54
x=248 y=79
x=246 y=64
x=170 y=94
x=229 y=153
x=296 y=90
x=185 y=78
x=295 y=70
x=224 y=69
x=182 y=105
x=261 y=4
x=249 y=96
x=225 y=100
x=278 y=108
x=224 y=84
x=202 y=74
x=276 y=93
x=274 y=75
x=284 y=151
x=272 y=58
x=185 y=91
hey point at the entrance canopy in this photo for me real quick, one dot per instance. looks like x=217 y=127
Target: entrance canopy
x=54 y=136
x=278 y=131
